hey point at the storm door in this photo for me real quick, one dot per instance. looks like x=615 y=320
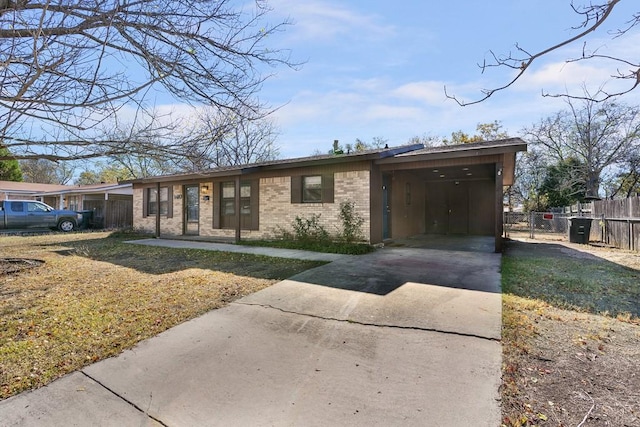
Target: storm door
x=192 y=210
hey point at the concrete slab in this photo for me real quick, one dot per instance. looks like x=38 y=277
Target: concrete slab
x=75 y=400
x=448 y=291
x=247 y=365
x=412 y=305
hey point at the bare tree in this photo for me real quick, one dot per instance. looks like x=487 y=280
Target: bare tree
x=530 y=171
x=592 y=16
x=44 y=171
x=69 y=69
x=627 y=181
x=228 y=140
x=596 y=135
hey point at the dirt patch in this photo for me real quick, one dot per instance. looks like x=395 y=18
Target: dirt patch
x=14 y=265
x=578 y=366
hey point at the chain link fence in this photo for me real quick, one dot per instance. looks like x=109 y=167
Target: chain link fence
x=548 y=225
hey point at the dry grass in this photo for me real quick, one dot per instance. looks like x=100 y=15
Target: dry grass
x=570 y=334
x=95 y=296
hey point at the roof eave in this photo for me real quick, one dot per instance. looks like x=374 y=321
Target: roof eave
x=450 y=154
x=294 y=163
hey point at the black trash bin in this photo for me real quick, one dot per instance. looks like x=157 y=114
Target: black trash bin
x=87 y=219
x=579 y=229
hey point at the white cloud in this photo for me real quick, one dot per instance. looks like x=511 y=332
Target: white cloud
x=429 y=92
x=325 y=20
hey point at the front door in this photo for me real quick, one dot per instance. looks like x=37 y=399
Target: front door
x=192 y=210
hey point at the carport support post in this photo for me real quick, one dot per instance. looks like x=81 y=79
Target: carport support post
x=237 y=209
x=499 y=194
x=157 y=209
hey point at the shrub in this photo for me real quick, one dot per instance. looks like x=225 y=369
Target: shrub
x=351 y=222
x=309 y=229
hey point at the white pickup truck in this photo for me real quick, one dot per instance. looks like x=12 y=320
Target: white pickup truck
x=23 y=214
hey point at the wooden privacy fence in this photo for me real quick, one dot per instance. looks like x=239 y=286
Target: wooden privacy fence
x=620 y=221
x=112 y=213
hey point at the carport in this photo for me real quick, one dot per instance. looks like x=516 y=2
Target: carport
x=450 y=190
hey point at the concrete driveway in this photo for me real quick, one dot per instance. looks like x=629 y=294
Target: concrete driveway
x=408 y=335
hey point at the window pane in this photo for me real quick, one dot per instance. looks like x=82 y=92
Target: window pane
x=228 y=190
x=228 y=207
x=164 y=194
x=152 y=204
x=245 y=190
x=312 y=189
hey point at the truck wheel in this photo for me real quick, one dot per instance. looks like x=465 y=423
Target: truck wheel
x=66 y=225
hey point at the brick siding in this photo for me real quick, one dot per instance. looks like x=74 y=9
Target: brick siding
x=276 y=210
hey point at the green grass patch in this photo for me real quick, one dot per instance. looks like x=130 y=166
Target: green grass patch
x=325 y=246
x=587 y=284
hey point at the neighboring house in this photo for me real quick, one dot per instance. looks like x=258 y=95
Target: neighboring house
x=26 y=190
x=111 y=204
x=400 y=192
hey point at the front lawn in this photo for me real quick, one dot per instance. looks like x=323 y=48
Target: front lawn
x=95 y=296
x=570 y=331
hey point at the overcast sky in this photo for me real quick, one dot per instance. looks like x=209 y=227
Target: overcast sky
x=378 y=68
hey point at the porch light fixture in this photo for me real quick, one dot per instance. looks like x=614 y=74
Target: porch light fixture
x=205 y=188
x=178 y=196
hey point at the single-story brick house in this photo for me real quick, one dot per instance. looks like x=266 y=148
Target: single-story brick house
x=399 y=191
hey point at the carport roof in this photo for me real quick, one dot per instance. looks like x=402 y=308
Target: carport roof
x=499 y=146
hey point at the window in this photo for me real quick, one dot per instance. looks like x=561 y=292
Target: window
x=245 y=198
x=228 y=198
x=73 y=203
x=227 y=209
x=152 y=201
x=36 y=207
x=312 y=189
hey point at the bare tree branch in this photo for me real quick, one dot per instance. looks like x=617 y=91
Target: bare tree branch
x=68 y=67
x=593 y=17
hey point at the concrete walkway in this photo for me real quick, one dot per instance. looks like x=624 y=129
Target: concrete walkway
x=404 y=336
x=227 y=247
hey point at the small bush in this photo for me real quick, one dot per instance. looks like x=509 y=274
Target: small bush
x=351 y=223
x=309 y=229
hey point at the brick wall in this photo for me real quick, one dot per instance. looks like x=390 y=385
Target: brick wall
x=276 y=210
x=168 y=226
